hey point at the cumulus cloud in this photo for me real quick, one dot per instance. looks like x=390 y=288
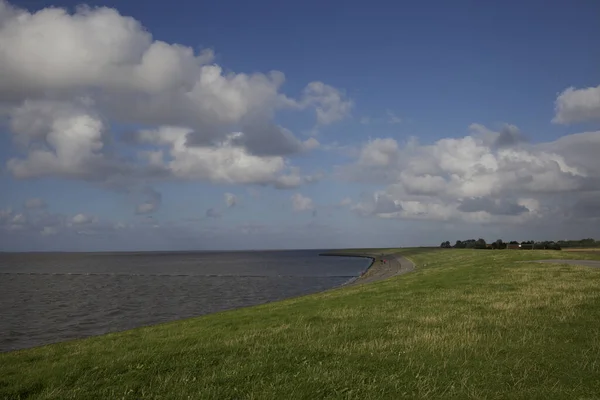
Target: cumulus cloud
x=509 y=136
x=48 y=231
x=331 y=104
x=293 y=179
x=152 y=202
x=81 y=219
x=492 y=206
x=577 y=105
x=485 y=176
x=62 y=139
x=392 y=118
x=379 y=153
x=268 y=139
x=380 y=204
x=35 y=222
x=65 y=78
x=12 y=221
x=230 y=200
x=586 y=207
x=225 y=162
x=302 y=203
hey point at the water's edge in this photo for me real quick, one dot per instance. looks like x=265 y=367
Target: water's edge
x=355 y=278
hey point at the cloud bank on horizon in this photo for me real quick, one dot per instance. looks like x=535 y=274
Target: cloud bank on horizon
x=90 y=97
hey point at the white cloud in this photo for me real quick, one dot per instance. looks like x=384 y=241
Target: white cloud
x=152 y=202
x=63 y=139
x=48 y=231
x=81 y=219
x=34 y=222
x=230 y=200
x=302 y=203
x=145 y=208
x=577 y=105
x=484 y=177
x=99 y=48
x=223 y=163
x=311 y=143
x=379 y=153
x=331 y=104
x=392 y=118
x=19 y=219
x=11 y=221
x=380 y=204
x=65 y=78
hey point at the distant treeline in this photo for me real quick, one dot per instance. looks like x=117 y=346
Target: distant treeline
x=527 y=245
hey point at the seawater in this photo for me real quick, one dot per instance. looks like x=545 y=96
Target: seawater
x=52 y=297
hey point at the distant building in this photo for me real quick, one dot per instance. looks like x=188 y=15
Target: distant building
x=513 y=246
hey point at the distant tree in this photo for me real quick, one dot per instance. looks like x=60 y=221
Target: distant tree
x=527 y=245
x=548 y=245
x=480 y=244
x=470 y=243
x=459 y=244
x=446 y=245
x=499 y=244
x=589 y=242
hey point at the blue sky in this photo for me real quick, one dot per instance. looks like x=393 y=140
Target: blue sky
x=397 y=123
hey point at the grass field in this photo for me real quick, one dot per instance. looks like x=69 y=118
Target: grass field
x=467 y=324
x=583 y=249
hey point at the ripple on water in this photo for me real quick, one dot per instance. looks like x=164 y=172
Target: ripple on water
x=61 y=297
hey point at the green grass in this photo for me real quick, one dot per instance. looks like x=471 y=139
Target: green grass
x=466 y=324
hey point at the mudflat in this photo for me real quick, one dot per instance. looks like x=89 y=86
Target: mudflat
x=385 y=265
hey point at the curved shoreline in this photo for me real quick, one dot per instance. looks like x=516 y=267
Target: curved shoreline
x=396 y=264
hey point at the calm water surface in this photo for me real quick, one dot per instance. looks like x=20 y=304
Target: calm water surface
x=52 y=297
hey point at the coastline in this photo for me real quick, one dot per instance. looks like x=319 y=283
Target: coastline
x=361 y=342
x=395 y=264
x=367 y=272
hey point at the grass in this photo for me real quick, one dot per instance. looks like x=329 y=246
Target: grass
x=576 y=249
x=467 y=324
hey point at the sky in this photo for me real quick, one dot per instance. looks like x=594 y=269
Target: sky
x=130 y=125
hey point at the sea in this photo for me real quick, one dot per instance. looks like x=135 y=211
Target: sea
x=52 y=297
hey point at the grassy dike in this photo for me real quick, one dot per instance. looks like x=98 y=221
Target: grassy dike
x=465 y=324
